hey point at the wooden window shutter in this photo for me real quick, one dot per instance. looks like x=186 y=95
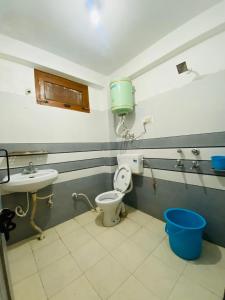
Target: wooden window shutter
x=56 y=91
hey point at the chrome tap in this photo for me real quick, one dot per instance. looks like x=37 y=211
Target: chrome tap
x=179 y=164
x=195 y=151
x=195 y=165
x=30 y=169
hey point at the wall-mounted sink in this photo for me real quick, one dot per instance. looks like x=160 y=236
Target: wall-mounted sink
x=30 y=182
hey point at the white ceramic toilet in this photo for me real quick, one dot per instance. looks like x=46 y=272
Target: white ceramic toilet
x=111 y=202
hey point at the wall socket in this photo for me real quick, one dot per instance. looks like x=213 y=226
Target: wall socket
x=147 y=120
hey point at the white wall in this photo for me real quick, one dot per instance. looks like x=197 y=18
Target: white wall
x=25 y=121
x=206 y=58
x=188 y=103
x=196 y=30
x=177 y=104
x=35 y=57
x=204 y=55
x=185 y=104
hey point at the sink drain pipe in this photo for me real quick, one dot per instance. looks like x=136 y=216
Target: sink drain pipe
x=33 y=212
x=34 y=198
x=21 y=212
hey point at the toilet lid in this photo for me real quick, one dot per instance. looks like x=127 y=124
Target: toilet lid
x=122 y=178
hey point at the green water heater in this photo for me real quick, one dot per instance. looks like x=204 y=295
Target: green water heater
x=122 y=96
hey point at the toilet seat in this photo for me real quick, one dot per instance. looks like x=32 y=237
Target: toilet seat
x=111 y=202
x=122 y=178
x=122 y=183
x=109 y=197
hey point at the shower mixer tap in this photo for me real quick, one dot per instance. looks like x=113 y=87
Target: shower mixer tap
x=195 y=165
x=179 y=164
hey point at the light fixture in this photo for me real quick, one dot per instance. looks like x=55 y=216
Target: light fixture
x=93 y=10
x=95 y=16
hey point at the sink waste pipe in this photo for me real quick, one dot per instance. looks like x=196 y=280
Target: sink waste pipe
x=20 y=212
x=33 y=212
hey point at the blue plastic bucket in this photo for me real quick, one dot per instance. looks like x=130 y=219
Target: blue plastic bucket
x=184 y=228
x=218 y=162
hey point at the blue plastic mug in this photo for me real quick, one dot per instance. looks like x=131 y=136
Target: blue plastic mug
x=218 y=162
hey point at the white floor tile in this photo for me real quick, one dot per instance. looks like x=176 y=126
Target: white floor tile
x=67 y=227
x=127 y=227
x=17 y=252
x=87 y=217
x=110 y=239
x=156 y=226
x=129 y=255
x=166 y=255
x=89 y=254
x=106 y=276
x=157 y=277
x=76 y=239
x=50 y=236
x=50 y=253
x=147 y=239
x=22 y=267
x=186 y=290
x=95 y=229
x=133 y=290
x=79 y=289
x=29 y=289
x=139 y=217
x=59 y=274
x=109 y=276
x=209 y=276
x=211 y=255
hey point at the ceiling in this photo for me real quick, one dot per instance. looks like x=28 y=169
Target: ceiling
x=99 y=34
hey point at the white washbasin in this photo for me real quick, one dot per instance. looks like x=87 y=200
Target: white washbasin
x=30 y=182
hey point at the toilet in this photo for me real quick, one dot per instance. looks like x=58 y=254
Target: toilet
x=111 y=202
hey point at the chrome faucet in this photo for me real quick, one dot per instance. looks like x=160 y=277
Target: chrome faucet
x=179 y=164
x=195 y=165
x=195 y=151
x=30 y=169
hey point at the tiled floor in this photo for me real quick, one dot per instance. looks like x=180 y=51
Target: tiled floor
x=80 y=259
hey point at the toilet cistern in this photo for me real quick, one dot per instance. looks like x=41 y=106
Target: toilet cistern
x=133 y=160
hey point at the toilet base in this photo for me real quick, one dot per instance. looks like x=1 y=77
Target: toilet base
x=108 y=221
x=112 y=218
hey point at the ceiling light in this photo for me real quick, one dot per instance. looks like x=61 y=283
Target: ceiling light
x=95 y=16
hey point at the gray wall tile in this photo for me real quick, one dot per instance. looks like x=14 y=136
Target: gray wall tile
x=213 y=139
x=64 y=207
x=70 y=165
x=204 y=140
x=206 y=201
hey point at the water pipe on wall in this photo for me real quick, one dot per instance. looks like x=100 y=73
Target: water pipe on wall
x=123 y=132
x=76 y=196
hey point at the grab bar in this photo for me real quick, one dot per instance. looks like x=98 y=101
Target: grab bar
x=7 y=164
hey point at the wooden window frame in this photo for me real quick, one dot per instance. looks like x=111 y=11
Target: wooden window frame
x=42 y=77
